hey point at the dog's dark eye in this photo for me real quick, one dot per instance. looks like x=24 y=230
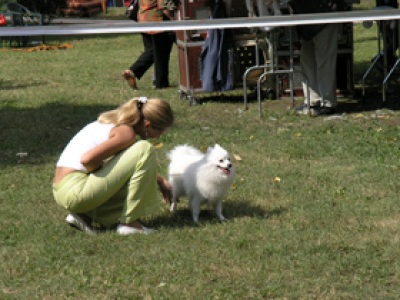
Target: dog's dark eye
x=221 y=160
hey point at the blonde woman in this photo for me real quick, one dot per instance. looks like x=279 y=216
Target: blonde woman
x=107 y=175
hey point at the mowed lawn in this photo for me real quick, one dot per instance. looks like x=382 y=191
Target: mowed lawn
x=313 y=213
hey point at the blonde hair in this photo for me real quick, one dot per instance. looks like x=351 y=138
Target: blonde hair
x=132 y=112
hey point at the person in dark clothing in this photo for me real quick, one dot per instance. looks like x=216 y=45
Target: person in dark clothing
x=157 y=45
x=390 y=28
x=318 y=57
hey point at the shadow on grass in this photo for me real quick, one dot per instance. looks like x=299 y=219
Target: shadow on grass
x=233 y=96
x=348 y=103
x=12 y=85
x=354 y=103
x=231 y=210
x=31 y=135
x=373 y=98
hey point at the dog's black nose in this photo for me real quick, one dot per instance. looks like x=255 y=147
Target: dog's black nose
x=229 y=166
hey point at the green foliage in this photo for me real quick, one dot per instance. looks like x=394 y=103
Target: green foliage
x=313 y=213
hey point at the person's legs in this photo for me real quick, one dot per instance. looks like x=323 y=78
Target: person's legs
x=139 y=196
x=326 y=57
x=122 y=191
x=145 y=60
x=308 y=65
x=162 y=45
x=268 y=8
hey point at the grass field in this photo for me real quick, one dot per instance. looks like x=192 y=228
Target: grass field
x=313 y=214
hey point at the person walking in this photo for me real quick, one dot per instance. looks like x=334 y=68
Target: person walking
x=157 y=45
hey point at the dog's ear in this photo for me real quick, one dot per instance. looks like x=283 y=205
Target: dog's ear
x=217 y=146
x=209 y=149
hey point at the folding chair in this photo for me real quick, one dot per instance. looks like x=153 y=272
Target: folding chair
x=383 y=51
x=266 y=40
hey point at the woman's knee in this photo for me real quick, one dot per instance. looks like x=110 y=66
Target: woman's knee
x=144 y=147
x=148 y=151
x=142 y=151
x=143 y=144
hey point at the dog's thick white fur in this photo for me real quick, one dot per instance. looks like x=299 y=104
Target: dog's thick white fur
x=201 y=177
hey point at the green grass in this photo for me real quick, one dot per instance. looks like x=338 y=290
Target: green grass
x=328 y=229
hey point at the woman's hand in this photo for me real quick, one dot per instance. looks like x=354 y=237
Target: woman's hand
x=93 y=166
x=165 y=189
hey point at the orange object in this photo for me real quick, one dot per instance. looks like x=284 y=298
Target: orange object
x=104 y=6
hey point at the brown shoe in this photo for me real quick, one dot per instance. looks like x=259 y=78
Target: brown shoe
x=130 y=78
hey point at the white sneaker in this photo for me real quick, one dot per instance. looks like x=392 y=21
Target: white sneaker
x=127 y=230
x=77 y=221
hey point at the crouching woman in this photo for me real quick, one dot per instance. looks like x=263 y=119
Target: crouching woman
x=107 y=172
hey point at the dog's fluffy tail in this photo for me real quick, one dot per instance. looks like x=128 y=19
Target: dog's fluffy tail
x=182 y=152
x=181 y=157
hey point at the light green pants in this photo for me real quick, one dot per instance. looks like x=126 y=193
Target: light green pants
x=123 y=190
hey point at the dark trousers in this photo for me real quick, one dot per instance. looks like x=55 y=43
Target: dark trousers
x=157 y=50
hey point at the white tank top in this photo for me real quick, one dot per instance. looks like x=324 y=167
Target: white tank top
x=89 y=137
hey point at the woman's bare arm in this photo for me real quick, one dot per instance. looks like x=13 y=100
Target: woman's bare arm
x=120 y=138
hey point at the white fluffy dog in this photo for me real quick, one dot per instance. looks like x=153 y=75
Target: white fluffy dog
x=200 y=177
